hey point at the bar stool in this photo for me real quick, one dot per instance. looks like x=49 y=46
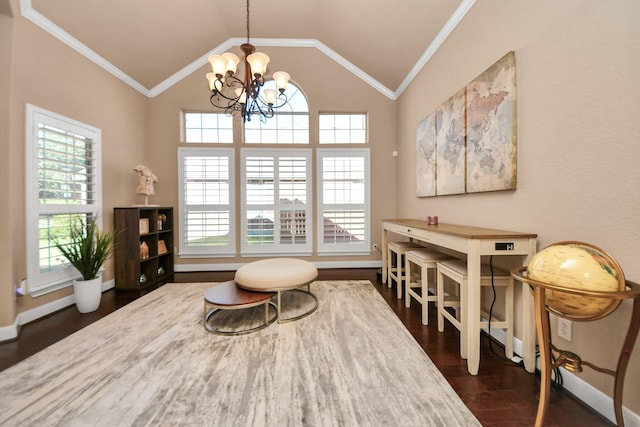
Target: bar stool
x=397 y=251
x=425 y=259
x=457 y=272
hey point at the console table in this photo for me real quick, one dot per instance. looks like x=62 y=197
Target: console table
x=474 y=242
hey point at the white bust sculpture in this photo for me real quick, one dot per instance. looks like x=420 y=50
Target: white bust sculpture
x=146 y=179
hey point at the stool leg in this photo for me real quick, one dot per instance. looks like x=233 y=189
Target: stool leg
x=389 y=267
x=407 y=270
x=401 y=276
x=440 y=296
x=424 y=285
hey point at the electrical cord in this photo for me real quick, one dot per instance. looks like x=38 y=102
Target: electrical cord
x=556 y=379
x=493 y=288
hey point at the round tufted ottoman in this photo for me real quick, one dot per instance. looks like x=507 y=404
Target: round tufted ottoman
x=279 y=275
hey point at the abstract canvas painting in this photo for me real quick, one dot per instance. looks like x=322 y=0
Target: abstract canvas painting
x=450 y=143
x=426 y=157
x=491 y=128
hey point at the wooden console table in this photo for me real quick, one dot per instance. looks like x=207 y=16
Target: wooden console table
x=474 y=242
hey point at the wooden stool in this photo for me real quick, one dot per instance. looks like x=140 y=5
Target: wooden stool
x=227 y=296
x=457 y=271
x=397 y=251
x=425 y=259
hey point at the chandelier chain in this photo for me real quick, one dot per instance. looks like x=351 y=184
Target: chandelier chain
x=247 y=21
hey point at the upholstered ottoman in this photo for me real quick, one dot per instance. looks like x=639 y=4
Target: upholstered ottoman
x=279 y=275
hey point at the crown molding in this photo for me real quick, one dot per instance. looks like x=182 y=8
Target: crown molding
x=266 y=42
x=38 y=19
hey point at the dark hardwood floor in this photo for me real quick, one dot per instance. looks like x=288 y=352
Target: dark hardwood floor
x=502 y=394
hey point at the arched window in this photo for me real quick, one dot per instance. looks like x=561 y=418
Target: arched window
x=289 y=125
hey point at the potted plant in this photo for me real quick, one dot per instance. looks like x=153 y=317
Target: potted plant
x=86 y=249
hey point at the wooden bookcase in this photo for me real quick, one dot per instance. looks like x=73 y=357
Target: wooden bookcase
x=135 y=268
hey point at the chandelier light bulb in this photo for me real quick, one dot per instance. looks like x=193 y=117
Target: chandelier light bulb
x=232 y=62
x=270 y=96
x=218 y=65
x=281 y=78
x=258 y=62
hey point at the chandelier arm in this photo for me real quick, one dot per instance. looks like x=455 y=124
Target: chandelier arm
x=230 y=82
x=226 y=103
x=282 y=101
x=253 y=108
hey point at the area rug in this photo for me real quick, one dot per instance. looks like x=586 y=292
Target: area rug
x=152 y=363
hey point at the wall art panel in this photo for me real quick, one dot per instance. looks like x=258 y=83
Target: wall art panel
x=491 y=128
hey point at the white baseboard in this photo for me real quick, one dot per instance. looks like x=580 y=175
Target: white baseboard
x=188 y=268
x=588 y=394
x=10 y=332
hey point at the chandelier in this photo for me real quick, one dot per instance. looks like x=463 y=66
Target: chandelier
x=232 y=94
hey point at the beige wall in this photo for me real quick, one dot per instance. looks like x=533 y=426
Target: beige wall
x=50 y=75
x=577 y=67
x=328 y=87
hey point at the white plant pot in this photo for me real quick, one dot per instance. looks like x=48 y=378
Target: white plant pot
x=88 y=294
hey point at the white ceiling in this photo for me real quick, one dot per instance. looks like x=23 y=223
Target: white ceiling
x=152 y=44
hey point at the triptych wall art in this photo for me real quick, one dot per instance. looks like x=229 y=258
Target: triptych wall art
x=468 y=144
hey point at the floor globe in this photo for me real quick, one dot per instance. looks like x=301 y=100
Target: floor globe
x=580 y=268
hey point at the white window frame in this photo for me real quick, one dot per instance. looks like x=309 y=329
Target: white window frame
x=351 y=248
x=276 y=130
x=186 y=251
x=335 y=131
x=277 y=249
x=203 y=130
x=40 y=283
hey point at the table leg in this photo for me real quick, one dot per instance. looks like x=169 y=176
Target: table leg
x=528 y=319
x=472 y=305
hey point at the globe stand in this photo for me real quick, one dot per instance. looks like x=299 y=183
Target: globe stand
x=572 y=361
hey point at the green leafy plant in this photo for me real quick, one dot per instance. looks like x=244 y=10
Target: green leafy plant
x=87 y=248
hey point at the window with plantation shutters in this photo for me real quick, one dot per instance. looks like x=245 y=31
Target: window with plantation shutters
x=206 y=200
x=343 y=201
x=276 y=202
x=63 y=168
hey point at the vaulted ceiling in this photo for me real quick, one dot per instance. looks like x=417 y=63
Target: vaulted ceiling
x=151 y=44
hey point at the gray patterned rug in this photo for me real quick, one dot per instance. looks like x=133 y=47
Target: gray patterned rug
x=151 y=363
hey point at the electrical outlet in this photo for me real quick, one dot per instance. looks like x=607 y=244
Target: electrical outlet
x=564 y=329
